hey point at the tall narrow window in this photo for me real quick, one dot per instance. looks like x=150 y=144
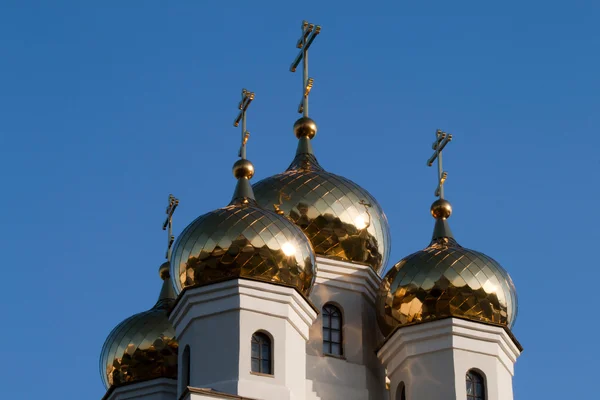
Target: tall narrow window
x=475 y=386
x=261 y=354
x=332 y=330
x=185 y=368
x=401 y=393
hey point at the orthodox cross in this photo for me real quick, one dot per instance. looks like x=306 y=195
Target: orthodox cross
x=247 y=98
x=441 y=140
x=309 y=33
x=173 y=203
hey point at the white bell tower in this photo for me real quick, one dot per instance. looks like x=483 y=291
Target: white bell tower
x=432 y=360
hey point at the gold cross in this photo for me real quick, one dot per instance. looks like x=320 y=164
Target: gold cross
x=173 y=203
x=309 y=33
x=247 y=98
x=441 y=140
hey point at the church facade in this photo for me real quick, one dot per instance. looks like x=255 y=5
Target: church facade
x=281 y=295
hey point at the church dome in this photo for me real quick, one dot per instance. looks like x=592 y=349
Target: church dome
x=446 y=280
x=341 y=219
x=243 y=240
x=143 y=346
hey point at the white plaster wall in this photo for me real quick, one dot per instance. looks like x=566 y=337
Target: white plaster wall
x=498 y=379
x=218 y=321
x=432 y=359
x=358 y=375
x=287 y=381
x=214 y=351
x=155 y=389
x=430 y=376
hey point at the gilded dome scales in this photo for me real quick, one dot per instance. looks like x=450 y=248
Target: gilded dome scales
x=342 y=220
x=445 y=279
x=243 y=240
x=144 y=346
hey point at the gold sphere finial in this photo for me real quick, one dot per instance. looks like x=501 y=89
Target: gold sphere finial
x=163 y=271
x=243 y=169
x=441 y=209
x=305 y=127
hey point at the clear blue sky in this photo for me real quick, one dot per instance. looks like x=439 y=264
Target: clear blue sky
x=106 y=109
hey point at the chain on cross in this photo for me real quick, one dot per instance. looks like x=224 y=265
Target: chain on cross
x=243 y=105
x=168 y=224
x=309 y=33
x=441 y=140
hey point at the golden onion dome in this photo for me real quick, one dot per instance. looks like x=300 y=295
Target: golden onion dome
x=243 y=240
x=446 y=280
x=341 y=219
x=143 y=346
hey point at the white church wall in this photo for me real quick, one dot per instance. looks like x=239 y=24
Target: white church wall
x=433 y=358
x=357 y=374
x=213 y=342
x=218 y=322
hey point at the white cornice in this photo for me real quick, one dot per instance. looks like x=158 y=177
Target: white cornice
x=449 y=333
x=348 y=276
x=243 y=294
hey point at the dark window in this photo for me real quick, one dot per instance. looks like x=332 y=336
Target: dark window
x=261 y=354
x=475 y=386
x=332 y=330
x=401 y=393
x=185 y=366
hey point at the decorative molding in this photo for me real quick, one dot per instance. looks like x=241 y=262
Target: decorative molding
x=243 y=294
x=348 y=276
x=450 y=333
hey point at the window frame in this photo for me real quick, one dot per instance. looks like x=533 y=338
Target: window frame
x=268 y=339
x=328 y=311
x=477 y=374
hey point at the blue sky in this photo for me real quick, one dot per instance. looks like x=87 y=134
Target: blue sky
x=106 y=109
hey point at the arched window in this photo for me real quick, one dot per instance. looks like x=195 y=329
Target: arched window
x=262 y=360
x=475 y=386
x=332 y=330
x=401 y=392
x=185 y=368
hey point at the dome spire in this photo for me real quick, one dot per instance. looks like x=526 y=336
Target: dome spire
x=441 y=209
x=168 y=224
x=305 y=128
x=331 y=210
x=243 y=169
x=167 y=292
x=448 y=280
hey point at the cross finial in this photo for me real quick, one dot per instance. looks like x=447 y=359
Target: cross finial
x=441 y=140
x=247 y=98
x=173 y=203
x=309 y=33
